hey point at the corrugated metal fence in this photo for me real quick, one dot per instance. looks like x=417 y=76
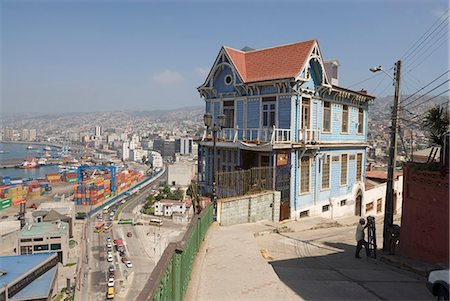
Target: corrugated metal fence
x=170 y=278
x=242 y=182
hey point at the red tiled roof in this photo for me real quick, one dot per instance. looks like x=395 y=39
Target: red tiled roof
x=271 y=63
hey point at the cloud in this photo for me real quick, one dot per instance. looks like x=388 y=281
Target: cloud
x=437 y=12
x=203 y=72
x=168 y=77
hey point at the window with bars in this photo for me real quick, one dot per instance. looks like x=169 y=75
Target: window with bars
x=326 y=172
x=344 y=128
x=358 y=167
x=344 y=160
x=326 y=116
x=360 y=121
x=305 y=173
x=228 y=111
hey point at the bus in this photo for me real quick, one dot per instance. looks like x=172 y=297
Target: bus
x=106 y=209
x=126 y=221
x=100 y=227
x=110 y=293
x=156 y=222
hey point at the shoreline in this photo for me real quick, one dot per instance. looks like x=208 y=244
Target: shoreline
x=33 y=142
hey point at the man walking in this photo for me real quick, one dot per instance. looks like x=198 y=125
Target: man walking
x=360 y=238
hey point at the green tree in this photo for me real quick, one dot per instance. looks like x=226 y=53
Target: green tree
x=436 y=123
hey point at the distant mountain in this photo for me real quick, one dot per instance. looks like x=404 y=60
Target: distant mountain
x=417 y=104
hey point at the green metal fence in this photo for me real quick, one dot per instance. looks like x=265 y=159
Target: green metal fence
x=170 y=278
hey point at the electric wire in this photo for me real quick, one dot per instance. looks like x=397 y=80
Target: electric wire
x=428 y=56
x=423 y=102
x=434 y=80
x=423 y=95
x=423 y=49
x=408 y=53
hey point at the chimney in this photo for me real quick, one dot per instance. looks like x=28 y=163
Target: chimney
x=332 y=68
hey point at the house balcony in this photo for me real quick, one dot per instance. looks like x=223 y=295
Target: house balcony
x=275 y=136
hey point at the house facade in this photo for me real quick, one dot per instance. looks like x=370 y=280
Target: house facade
x=283 y=108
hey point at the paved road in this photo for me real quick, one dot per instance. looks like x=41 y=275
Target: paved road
x=128 y=281
x=303 y=264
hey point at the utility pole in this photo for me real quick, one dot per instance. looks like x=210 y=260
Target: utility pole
x=388 y=210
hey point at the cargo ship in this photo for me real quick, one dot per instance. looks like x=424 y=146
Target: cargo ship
x=29 y=163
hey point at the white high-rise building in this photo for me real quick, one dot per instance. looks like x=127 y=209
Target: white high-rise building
x=126 y=151
x=98 y=131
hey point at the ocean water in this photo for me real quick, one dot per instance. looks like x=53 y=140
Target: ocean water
x=19 y=151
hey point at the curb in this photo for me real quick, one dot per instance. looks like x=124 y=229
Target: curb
x=405 y=266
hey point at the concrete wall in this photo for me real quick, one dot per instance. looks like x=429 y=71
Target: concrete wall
x=181 y=173
x=249 y=208
x=373 y=196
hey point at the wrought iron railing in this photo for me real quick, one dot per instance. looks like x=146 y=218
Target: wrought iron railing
x=242 y=182
x=170 y=278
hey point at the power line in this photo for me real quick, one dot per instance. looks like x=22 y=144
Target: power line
x=419 y=104
x=364 y=80
x=423 y=95
x=425 y=86
x=407 y=52
x=428 y=56
x=430 y=42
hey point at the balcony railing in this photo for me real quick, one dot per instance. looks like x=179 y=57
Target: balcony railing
x=264 y=135
x=309 y=136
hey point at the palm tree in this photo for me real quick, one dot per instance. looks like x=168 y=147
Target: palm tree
x=436 y=122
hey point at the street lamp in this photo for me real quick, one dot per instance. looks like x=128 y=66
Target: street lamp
x=214 y=128
x=389 y=206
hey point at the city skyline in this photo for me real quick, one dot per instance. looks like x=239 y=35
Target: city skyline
x=111 y=56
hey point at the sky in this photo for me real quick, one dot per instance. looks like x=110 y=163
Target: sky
x=86 y=56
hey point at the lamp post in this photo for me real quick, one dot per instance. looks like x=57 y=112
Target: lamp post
x=389 y=206
x=214 y=128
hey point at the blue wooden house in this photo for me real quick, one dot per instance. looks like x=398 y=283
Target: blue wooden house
x=283 y=107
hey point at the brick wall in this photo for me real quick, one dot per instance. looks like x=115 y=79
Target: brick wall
x=425 y=215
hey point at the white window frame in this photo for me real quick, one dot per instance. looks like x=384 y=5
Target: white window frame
x=346 y=171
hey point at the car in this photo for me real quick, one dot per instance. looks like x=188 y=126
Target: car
x=129 y=234
x=438 y=282
x=4 y=217
x=108 y=239
x=109 y=245
x=111 y=274
x=111 y=282
x=139 y=224
x=128 y=264
x=110 y=258
x=110 y=253
x=122 y=253
x=111 y=268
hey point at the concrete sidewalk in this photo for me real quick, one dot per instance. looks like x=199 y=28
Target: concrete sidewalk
x=295 y=260
x=229 y=266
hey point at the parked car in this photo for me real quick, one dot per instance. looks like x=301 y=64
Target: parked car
x=109 y=245
x=111 y=268
x=122 y=253
x=111 y=282
x=438 y=282
x=129 y=234
x=125 y=259
x=110 y=258
x=128 y=264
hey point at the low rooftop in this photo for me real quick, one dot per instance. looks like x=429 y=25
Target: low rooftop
x=44 y=228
